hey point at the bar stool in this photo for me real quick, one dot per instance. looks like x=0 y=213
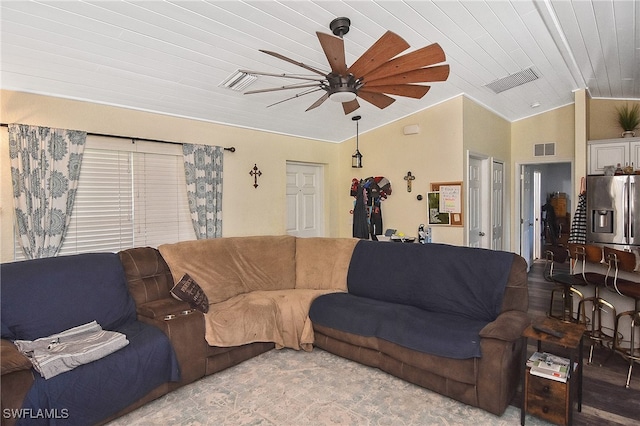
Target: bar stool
x=567 y=282
x=596 y=332
x=626 y=261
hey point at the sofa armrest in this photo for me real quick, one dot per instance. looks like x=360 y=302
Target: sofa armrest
x=148 y=275
x=17 y=378
x=160 y=308
x=187 y=335
x=508 y=326
x=11 y=359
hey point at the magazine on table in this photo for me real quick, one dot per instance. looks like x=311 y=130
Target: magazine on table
x=554 y=367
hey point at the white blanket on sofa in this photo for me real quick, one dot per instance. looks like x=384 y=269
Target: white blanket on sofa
x=65 y=351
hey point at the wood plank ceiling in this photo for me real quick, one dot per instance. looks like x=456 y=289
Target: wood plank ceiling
x=171 y=56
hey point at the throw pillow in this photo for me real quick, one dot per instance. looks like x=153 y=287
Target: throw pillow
x=189 y=291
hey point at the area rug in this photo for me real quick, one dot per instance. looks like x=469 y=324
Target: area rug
x=287 y=387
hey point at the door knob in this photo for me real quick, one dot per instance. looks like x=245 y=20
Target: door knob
x=482 y=234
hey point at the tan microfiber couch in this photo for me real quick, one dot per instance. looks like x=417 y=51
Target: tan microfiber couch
x=247 y=280
x=260 y=288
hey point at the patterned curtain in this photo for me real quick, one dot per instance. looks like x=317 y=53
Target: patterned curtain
x=203 y=170
x=45 y=167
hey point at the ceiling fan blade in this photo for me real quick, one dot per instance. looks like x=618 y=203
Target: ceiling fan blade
x=350 y=106
x=300 y=64
x=387 y=46
x=408 y=90
x=334 y=51
x=294 y=76
x=377 y=99
x=275 y=89
x=319 y=102
x=422 y=75
x=297 y=95
x=428 y=55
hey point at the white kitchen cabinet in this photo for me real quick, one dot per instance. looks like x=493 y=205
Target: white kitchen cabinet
x=611 y=152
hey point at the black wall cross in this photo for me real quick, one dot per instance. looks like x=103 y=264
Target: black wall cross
x=255 y=173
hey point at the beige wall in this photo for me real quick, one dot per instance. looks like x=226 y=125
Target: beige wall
x=433 y=155
x=486 y=132
x=603 y=118
x=246 y=210
x=552 y=126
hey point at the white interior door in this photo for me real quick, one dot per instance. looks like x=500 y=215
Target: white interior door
x=537 y=213
x=526 y=215
x=497 y=206
x=478 y=201
x=304 y=200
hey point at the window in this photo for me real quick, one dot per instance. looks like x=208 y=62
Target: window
x=129 y=195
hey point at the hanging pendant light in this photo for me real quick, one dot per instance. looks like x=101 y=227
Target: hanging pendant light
x=356 y=158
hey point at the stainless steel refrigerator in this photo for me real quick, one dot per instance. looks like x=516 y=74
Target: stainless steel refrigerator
x=613 y=209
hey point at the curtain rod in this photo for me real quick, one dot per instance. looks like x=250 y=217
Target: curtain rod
x=230 y=149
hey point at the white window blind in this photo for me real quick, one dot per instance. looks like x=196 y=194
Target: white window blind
x=161 y=209
x=129 y=195
x=102 y=217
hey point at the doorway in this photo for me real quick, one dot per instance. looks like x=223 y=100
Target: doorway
x=305 y=197
x=538 y=183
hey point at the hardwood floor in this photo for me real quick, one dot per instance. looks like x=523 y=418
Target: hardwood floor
x=605 y=399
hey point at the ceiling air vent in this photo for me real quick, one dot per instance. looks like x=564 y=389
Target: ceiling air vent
x=544 y=149
x=513 y=80
x=238 y=81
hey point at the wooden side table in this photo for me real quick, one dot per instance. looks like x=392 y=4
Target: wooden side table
x=546 y=398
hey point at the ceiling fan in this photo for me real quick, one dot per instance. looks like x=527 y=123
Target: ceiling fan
x=376 y=74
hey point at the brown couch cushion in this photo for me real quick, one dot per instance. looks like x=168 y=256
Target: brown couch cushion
x=226 y=267
x=12 y=359
x=322 y=263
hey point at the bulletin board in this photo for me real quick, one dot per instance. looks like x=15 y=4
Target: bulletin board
x=445 y=204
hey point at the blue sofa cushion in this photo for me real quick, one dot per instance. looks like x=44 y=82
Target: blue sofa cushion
x=42 y=297
x=446 y=335
x=463 y=281
x=93 y=392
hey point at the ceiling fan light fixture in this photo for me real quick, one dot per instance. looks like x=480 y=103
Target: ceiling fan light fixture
x=382 y=70
x=346 y=96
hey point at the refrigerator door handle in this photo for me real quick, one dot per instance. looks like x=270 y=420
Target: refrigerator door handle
x=631 y=214
x=625 y=215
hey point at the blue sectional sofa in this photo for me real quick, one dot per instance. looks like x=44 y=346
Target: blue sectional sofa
x=44 y=297
x=444 y=317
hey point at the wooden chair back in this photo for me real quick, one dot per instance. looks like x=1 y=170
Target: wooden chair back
x=620 y=259
x=593 y=253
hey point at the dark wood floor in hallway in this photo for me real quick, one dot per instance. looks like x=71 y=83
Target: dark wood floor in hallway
x=605 y=399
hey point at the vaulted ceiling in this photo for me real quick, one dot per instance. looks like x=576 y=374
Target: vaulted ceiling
x=170 y=57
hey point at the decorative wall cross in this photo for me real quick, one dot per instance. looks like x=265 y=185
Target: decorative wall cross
x=255 y=173
x=409 y=178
